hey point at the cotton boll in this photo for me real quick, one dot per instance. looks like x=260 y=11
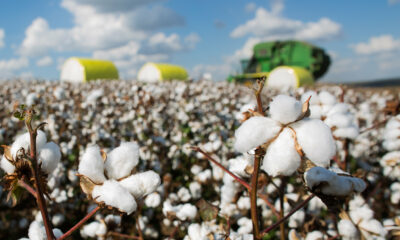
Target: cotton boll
x=348 y=132
x=113 y=194
x=254 y=132
x=142 y=183
x=23 y=141
x=197 y=232
x=334 y=184
x=315 y=111
x=314 y=97
x=316 y=140
x=339 y=108
x=326 y=98
x=37 y=231
x=297 y=219
x=49 y=157
x=243 y=203
x=57 y=232
x=281 y=157
x=6 y=165
x=91 y=165
x=186 y=212
x=153 y=200
x=122 y=160
x=93 y=229
x=245 y=225
x=347 y=230
x=371 y=228
x=184 y=194
x=285 y=109
x=314 y=235
x=195 y=189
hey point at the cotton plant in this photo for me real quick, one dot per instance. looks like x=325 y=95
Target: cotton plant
x=102 y=227
x=109 y=180
x=391 y=135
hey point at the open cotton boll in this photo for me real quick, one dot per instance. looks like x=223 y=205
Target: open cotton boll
x=339 y=108
x=114 y=195
x=91 y=165
x=6 y=165
x=121 y=160
x=93 y=229
x=315 y=111
x=314 y=235
x=254 y=132
x=315 y=138
x=297 y=219
x=372 y=228
x=37 y=231
x=326 y=98
x=23 y=141
x=142 y=183
x=347 y=230
x=285 y=109
x=281 y=157
x=198 y=232
x=153 y=200
x=314 y=97
x=350 y=132
x=186 y=212
x=49 y=157
x=334 y=184
x=339 y=120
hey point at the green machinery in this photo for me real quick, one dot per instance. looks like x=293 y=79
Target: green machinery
x=269 y=55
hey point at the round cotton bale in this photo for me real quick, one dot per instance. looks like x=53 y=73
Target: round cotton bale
x=83 y=69
x=159 y=72
x=285 y=77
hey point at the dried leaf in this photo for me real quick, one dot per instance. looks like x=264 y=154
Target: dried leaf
x=103 y=154
x=207 y=211
x=397 y=221
x=294 y=235
x=7 y=152
x=86 y=184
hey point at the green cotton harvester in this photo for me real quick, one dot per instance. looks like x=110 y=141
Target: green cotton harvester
x=284 y=63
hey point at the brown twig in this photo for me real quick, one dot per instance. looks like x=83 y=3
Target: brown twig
x=23 y=184
x=253 y=193
x=120 y=235
x=241 y=181
x=258 y=91
x=275 y=225
x=282 y=205
x=79 y=224
x=375 y=125
x=37 y=176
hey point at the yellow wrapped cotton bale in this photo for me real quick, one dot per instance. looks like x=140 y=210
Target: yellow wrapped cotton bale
x=85 y=69
x=159 y=72
x=285 y=77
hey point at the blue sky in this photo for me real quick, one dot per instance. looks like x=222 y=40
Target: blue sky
x=36 y=37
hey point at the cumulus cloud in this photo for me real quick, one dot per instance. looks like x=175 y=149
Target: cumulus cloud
x=392 y=2
x=8 y=67
x=44 y=61
x=97 y=26
x=2 y=35
x=250 y=7
x=375 y=45
x=270 y=25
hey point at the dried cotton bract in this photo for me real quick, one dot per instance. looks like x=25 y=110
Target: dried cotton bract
x=108 y=180
x=286 y=128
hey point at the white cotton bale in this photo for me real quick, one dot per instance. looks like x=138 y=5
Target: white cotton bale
x=286 y=77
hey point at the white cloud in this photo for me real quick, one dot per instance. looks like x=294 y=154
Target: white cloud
x=44 y=61
x=392 y=2
x=219 y=72
x=2 y=35
x=8 y=67
x=98 y=26
x=270 y=25
x=379 y=44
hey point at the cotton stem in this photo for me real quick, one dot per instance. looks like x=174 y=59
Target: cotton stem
x=37 y=176
x=253 y=193
x=79 y=224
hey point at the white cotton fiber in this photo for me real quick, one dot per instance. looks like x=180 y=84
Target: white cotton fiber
x=153 y=200
x=49 y=157
x=339 y=120
x=121 y=160
x=195 y=189
x=142 y=183
x=339 y=108
x=114 y=195
x=197 y=232
x=7 y=165
x=255 y=132
x=184 y=194
x=350 y=132
x=93 y=229
x=316 y=140
x=315 y=111
x=186 y=212
x=92 y=164
x=285 y=109
x=314 y=235
x=371 y=228
x=347 y=230
x=326 y=98
x=23 y=141
x=333 y=184
x=37 y=231
x=314 y=97
x=281 y=157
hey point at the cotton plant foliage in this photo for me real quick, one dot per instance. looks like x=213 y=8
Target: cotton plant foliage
x=108 y=178
x=282 y=134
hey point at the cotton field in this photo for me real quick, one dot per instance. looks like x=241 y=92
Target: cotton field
x=180 y=160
